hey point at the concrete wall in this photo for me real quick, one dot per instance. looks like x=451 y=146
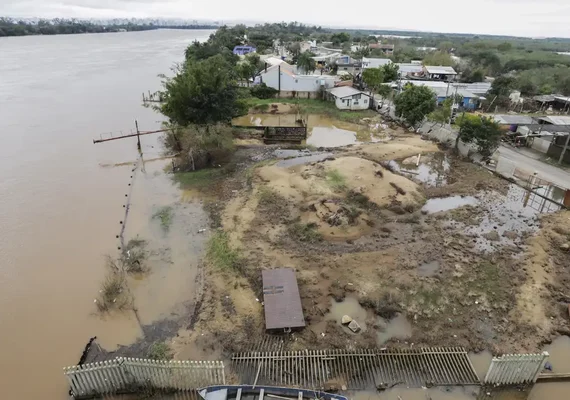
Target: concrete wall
x=298 y=95
x=555 y=150
x=445 y=135
x=541 y=145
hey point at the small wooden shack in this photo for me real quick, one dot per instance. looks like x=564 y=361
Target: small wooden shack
x=283 y=310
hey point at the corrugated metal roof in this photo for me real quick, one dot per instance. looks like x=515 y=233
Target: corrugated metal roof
x=556 y=120
x=407 y=68
x=547 y=98
x=344 y=91
x=281 y=298
x=440 y=70
x=513 y=119
x=478 y=87
x=442 y=91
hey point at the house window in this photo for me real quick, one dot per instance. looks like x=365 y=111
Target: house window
x=365 y=101
x=355 y=102
x=296 y=80
x=342 y=101
x=356 y=97
x=345 y=68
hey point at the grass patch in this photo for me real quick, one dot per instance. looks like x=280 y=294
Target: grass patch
x=199 y=179
x=164 y=214
x=490 y=280
x=357 y=199
x=314 y=106
x=336 y=180
x=113 y=293
x=159 y=351
x=221 y=254
x=305 y=232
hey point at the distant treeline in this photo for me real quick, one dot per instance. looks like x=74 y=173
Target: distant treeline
x=9 y=27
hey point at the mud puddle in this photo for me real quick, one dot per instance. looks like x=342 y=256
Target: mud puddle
x=322 y=131
x=428 y=269
x=431 y=170
x=396 y=328
x=481 y=363
x=448 y=203
x=349 y=306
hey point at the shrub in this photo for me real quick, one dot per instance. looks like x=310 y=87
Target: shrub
x=262 y=91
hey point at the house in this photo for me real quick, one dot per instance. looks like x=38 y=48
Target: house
x=284 y=78
x=243 y=50
x=310 y=45
x=513 y=121
x=348 y=98
x=439 y=73
x=469 y=100
x=349 y=65
x=375 y=62
x=387 y=49
x=409 y=70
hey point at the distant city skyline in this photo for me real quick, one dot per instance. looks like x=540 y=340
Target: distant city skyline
x=531 y=18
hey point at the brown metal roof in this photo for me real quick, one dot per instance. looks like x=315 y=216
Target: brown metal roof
x=282 y=300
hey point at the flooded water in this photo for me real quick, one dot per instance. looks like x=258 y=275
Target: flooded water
x=349 y=306
x=448 y=203
x=322 y=131
x=431 y=170
x=397 y=328
x=298 y=157
x=61 y=197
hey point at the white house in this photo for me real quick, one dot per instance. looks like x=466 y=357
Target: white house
x=348 y=98
x=375 y=62
x=284 y=77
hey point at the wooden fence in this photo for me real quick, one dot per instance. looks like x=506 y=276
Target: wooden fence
x=515 y=369
x=131 y=375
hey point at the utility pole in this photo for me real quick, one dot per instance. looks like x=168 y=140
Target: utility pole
x=564 y=148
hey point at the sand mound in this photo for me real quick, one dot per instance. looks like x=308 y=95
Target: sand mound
x=336 y=195
x=398 y=148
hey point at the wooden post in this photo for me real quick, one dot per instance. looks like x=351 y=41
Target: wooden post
x=564 y=149
x=138 y=136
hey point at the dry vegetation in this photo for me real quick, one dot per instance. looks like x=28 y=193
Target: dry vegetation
x=353 y=228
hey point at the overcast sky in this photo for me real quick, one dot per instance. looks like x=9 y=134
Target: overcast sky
x=515 y=17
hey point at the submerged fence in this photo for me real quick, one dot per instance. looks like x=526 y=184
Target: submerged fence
x=356 y=369
x=125 y=375
x=515 y=369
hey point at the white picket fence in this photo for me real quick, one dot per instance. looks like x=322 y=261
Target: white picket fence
x=515 y=369
x=135 y=374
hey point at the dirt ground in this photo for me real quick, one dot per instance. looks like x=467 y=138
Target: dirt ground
x=353 y=228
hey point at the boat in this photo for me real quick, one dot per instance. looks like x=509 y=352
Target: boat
x=249 y=392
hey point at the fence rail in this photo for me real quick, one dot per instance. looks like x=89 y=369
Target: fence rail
x=123 y=375
x=356 y=369
x=515 y=369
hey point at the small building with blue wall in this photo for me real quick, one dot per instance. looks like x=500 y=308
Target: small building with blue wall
x=470 y=101
x=243 y=50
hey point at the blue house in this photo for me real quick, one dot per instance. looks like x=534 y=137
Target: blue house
x=243 y=50
x=470 y=101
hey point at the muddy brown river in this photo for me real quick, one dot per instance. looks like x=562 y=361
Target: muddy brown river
x=61 y=198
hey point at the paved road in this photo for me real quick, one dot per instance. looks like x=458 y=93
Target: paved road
x=556 y=175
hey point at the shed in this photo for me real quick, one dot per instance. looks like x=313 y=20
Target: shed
x=470 y=101
x=282 y=301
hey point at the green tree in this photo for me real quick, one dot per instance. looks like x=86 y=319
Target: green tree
x=483 y=132
x=502 y=86
x=373 y=77
x=445 y=46
x=414 y=103
x=339 y=38
x=202 y=92
x=504 y=47
x=306 y=62
x=442 y=115
x=390 y=72
x=438 y=58
x=385 y=91
x=246 y=70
